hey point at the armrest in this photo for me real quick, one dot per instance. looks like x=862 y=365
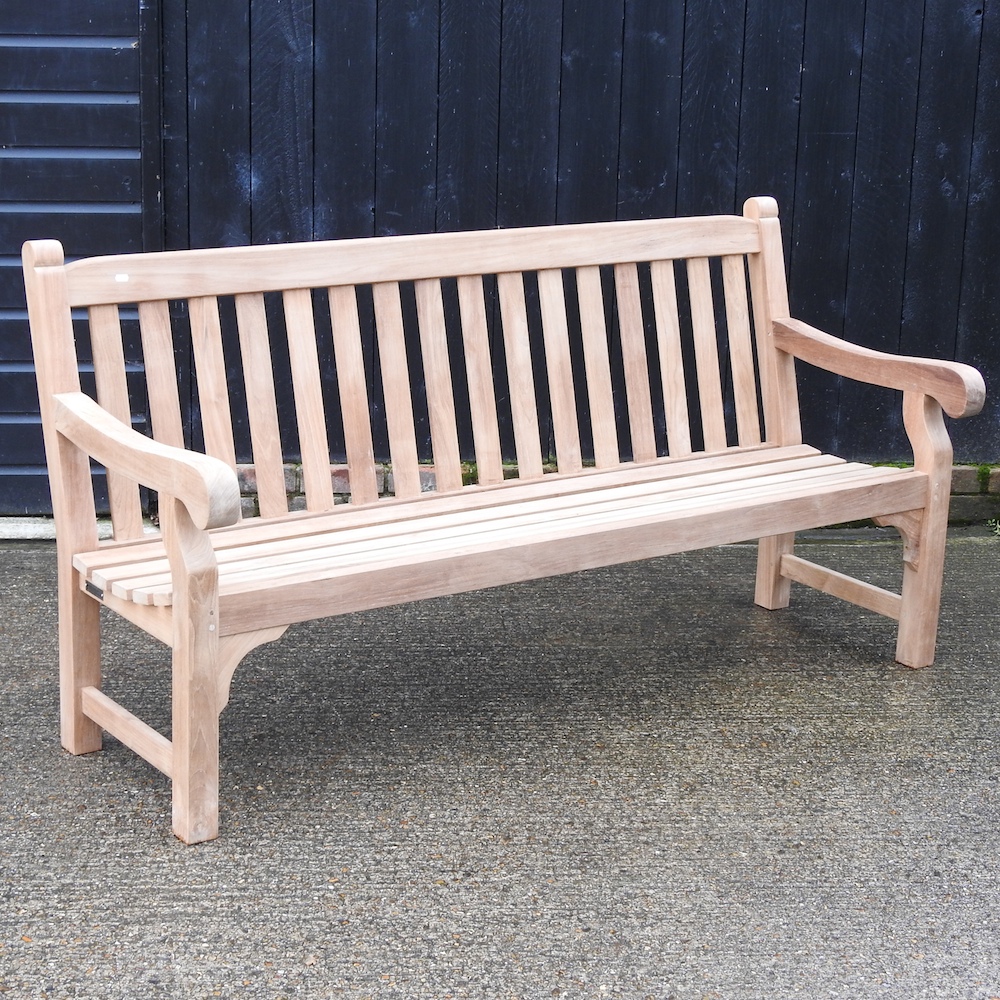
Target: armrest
x=206 y=486
x=958 y=388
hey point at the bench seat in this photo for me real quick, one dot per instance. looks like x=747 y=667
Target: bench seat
x=303 y=566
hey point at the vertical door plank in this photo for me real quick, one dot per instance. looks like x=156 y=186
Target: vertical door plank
x=262 y=407
x=217 y=118
x=741 y=350
x=353 y=387
x=668 y=343
x=520 y=377
x=557 y=360
x=346 y=38
x=887 y=124
x=589 y=99
x=112 y=393
x=210 y=371
x=530 y=69
x=598 y=366
x=406 y=117
x=282 y=130
x=396 y=389
x=770 y=100
x=161 y=373
x=479 y=367
x=634 y=358
x=706 y=351
x=710 y=106
x=440 y=389
x=468 y=113
x=979 y=304
x=824 y=193
x=652 y=51
x=310 y=414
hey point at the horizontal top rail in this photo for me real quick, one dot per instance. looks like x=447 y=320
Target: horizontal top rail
x=236 y=270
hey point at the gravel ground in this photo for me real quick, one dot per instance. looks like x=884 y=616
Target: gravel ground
x=625 y=783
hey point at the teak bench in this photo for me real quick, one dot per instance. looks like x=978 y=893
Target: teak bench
x=652 y=362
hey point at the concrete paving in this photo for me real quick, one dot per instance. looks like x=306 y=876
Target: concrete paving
x=629 y=782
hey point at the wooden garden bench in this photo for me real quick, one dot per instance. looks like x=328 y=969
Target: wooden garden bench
x=641 y=374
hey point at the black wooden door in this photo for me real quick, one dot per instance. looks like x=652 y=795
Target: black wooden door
x=78 y=162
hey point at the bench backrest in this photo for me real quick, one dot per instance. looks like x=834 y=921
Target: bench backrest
x=612 y=342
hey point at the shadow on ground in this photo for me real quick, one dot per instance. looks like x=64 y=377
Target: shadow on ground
x=629 y=782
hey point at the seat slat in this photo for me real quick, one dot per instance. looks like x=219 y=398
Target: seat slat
x=210 y=372
x=636 y=363
x=112 y=393
x=325 y=590
x=353 y=386
x=310 y=412
x=520 y=375
x=598 y=367
x=440 y=386
x=479 y=369
x=555 y=334
x=668 y=342
x=817 y=475
x=368 y=541
x=444 y=555
x=396 y=389
x=262 y=406
x=116 y=562
x=113 y=553
x=706 y=351
x=741 y=350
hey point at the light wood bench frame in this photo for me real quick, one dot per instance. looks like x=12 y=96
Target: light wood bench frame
x=213 y=586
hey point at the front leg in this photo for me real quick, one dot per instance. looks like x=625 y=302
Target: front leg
x=195 y=702
x=924 y=574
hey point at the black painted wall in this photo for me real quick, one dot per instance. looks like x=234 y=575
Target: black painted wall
x=874 y=124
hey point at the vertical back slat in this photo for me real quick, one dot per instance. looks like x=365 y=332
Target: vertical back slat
x=598 y=366
x=635 y=361
x=706 y=352
x=520 y=376
x=479 y=368
x=440 y=389
x=668 y=344
x=396 y=389
x=353 y=393
x=161 y=374
x=262 y=406
x=210 y=372
x=112 y=393
x=557 y=360
x=741 y=350
x=310 y=414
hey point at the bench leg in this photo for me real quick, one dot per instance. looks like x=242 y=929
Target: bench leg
x=773 y=590
x=79 y=663
x=918 y=619
x=923 y=566
x=195 y=696
x=923 y=574
x=195 y=747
